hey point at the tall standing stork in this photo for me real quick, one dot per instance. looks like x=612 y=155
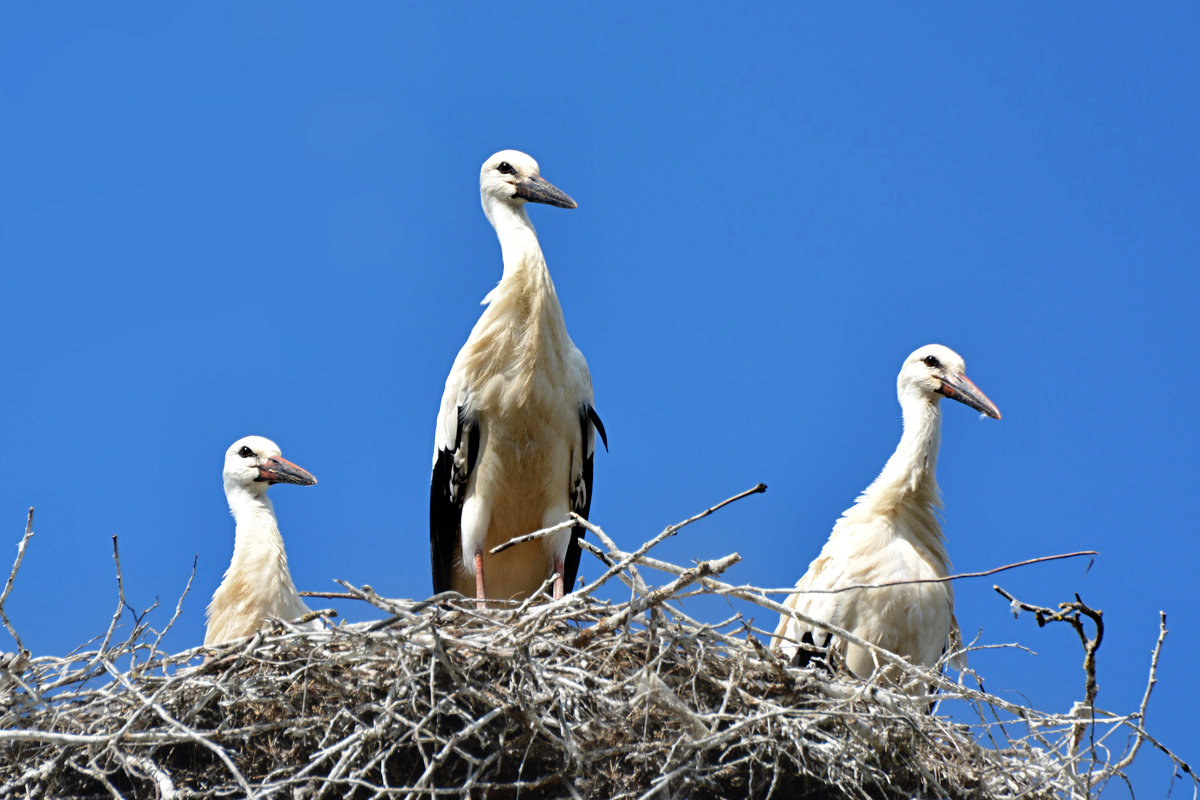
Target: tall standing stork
x=891 y=533
x=257 y=584
x=516 y=431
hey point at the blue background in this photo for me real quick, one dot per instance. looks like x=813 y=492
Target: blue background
x=220 y=219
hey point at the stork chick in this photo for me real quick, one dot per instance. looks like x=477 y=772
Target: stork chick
x=891 y=533
x=257 y=584
x=516 y=430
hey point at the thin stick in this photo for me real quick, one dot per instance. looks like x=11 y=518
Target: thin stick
x=178 y=606
x=112 y=625
x=955 y=577
x=628 y=559
x=614 y=621
x=529 y=537
x=577 y=519
x=12 y=577
x=759 y=489
x=1150 y=683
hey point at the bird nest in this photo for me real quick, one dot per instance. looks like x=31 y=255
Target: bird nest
x=571 y=698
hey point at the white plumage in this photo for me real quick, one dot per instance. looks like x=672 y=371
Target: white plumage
x=891 y=533
x=516 y=430
x=257 y=584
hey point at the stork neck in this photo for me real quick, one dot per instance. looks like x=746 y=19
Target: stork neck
x=913 y=466
x=522 y=332
x=518 y=239
x=254 y=518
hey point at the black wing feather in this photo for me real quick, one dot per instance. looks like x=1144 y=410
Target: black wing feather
x=447 y=491
x=811 y=652
x=595 y=418
x=581 y=496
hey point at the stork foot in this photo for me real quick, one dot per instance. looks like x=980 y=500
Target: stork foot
x=558 y=579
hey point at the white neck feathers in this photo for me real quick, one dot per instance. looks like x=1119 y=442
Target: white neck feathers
x=258 y=583
x=912 y=467
x=523 y=330
x=906 y=489
x=257 y=532
x=518 y=239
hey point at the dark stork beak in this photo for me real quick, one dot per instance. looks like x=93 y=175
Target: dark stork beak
x=959 y=387
x=279 y=470
x=536 y=190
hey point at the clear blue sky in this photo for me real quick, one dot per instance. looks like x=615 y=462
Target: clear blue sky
x=221 y=219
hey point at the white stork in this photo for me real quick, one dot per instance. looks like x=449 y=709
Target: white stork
x=516 y=430
x=891 y=533
x=257 y=584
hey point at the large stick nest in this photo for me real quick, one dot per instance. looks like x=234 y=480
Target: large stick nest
x=573 y=698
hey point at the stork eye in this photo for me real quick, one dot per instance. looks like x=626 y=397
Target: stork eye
x=931 y=361
x=506 y=168
x=245 y=452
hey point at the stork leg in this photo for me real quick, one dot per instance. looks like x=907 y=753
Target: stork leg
x=480 y=594
x=559 y=567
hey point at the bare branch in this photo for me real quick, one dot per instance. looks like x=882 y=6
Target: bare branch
x=333 y=595
x=956 y=577
x=671 y=530
x=757 y=489
x=655 y=597
x=12 y=577
x=179 y=605
x=121 y=602
x=529 y=537
x=627 y=560
x=1070 y=613
x=1151 y=682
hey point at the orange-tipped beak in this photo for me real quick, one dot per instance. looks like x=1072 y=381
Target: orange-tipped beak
x=959 y=387
x=280 y=470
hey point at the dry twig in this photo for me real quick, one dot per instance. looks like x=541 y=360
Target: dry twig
x=12 y=577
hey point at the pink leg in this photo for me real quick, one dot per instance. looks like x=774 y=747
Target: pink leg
x=558 y=578
x=480 y=594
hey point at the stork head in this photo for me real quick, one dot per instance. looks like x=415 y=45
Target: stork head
x=254 y=463
x=934 y=371
x=512 y=178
